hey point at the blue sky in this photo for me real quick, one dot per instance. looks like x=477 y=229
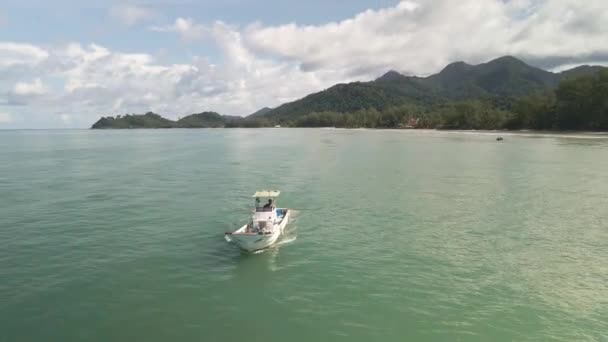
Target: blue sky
x=64 y=63
x=59 y=22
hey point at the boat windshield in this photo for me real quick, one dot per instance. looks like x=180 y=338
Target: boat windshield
x=267 y=205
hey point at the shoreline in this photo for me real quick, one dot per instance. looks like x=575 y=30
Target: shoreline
x=523 y=131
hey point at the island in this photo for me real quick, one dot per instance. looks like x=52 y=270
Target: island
x=503 y=94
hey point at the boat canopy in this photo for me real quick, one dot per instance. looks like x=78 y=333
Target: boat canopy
x=267 y=194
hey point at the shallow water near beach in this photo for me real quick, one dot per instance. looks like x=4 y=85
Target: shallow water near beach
x=397 y=235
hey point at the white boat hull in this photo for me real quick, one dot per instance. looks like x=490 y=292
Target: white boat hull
x=256 y=241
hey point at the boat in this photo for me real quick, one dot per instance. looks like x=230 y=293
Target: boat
x=266 y=225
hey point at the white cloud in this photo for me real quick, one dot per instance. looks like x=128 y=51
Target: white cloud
x=130 y=15
x=5 y=117
x=93 y=80
x=423 y=36
x=266 y=65
x=112 y=81
x=34 y=88
x=67 y=119
x=15 y=54
x=187 y=28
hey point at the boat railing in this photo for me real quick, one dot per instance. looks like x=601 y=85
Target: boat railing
x=264 y=209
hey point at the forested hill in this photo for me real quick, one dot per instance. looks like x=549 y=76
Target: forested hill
x=153 y=120
x=504 y=77
x=504 y=93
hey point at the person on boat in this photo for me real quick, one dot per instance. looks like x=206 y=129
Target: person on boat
x=268 y=205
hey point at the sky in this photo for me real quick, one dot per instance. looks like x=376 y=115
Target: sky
x=65 y=63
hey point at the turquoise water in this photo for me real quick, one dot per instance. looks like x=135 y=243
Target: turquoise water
x=420 y=236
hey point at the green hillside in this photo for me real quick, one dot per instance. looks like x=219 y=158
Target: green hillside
x=148 y=120
x=504 y=93
x=202 y=120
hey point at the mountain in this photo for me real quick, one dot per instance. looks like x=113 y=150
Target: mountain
x=202 y=120
x=461 y=95
x=148 y=120
x=391 y=76
x=583 y=70
x=152 y=120
x=505 y=76
x=340 y=98
x=259 y=112
x=501 y=78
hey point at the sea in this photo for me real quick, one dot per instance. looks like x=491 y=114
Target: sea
x=396 y=235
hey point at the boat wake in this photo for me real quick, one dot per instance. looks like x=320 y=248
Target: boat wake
x=285 y=240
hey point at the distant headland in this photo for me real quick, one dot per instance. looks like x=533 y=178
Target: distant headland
x=505 y=93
